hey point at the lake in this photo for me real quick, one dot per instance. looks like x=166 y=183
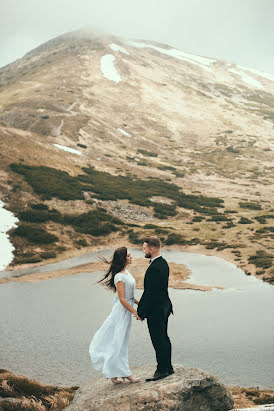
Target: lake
x=46 y=326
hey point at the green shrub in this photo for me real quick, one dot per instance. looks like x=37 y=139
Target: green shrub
x=35 y=234
x=143 y=163
x=48 y=254
x=81 y=145
x=134 y=237
x=251 y=206
x=244 y=220
x=82 y=242
x=179 y=174
x=260 y=219
x=219 y=218
x=262 y=259
x=162 y=210
x=40 y=215
x=50 y=182
x=27 y=260
x=147 y=153
x=197 y=219
x=150 y=226
x=232 y=150
x=220 y=245
x=96 y=222
x=229 y=225
x=164 y=168
x=174 y=238
x=39 y=206
x=265 y=230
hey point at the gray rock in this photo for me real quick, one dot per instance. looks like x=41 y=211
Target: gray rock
x=189 y=389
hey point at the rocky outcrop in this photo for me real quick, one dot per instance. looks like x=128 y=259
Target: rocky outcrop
x=189 y=389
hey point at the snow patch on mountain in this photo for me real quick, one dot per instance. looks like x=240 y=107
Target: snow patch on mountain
x=71 y=150
x=245 y=78
x=202 y=62
x=108 y=68
x=124 y=132
x=116 y=47
x=259 y=73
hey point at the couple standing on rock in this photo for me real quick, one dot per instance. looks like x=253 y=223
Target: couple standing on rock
x=109 y=346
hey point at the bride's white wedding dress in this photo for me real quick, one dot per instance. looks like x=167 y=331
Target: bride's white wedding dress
x=109 y=347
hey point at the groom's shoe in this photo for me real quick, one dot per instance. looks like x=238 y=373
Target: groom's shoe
x=158 y=376
x=170 y=371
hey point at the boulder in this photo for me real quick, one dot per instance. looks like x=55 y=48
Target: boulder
x=189 y=389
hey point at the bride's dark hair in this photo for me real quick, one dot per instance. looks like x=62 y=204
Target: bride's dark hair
x=117 y=264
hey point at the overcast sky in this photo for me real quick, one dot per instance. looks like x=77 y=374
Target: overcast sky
x=239 y=31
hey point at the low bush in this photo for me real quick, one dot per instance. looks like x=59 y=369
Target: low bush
x=48 y=254
x=260 y=219
x=166 y=168
x=34 y=234
x=162 y=210
x=244 y=220
x=230 y=149
x=150 y=226
x=39 y=206
x=134 y=237
x=229 y=225
x=219 y=217
x=220 y=245
x=179 y=174
x=50 y=182
x=251 y=206
x=174 y=238
x=147 y=153
x=262 y=259
x=197 y=219
x=40 y=215
x=96 y=222
x=265 y=230
x=27 y=260
x=82 y=242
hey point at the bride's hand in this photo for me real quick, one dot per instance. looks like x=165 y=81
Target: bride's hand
x=137 y=317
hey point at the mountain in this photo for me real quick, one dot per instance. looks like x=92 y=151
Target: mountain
x=139 y=138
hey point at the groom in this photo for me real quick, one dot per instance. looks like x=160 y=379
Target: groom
x=156 y=306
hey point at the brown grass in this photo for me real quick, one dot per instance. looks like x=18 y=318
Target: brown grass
x=21 y=393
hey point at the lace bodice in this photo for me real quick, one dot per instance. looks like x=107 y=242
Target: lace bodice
x=129 y=282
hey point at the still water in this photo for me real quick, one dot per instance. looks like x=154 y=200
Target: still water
x=46 y=327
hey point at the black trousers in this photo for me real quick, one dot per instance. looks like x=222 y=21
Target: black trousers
x=157 y=326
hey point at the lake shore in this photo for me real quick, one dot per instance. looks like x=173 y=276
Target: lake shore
x=179 y=273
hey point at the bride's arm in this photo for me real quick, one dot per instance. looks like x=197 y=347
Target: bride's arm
x=120 y=287
x=136 y=301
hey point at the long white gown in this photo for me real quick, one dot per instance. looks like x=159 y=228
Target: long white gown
x=109 y=347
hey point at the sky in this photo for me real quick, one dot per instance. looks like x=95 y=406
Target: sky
x=238 y=31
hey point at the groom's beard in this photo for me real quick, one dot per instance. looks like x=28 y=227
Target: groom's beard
x=148 y=255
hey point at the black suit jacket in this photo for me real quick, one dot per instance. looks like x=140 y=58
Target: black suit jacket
x=155 y=299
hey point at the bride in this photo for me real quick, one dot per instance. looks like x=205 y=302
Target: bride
x=109 y=347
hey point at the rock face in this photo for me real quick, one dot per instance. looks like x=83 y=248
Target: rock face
x=189 y=389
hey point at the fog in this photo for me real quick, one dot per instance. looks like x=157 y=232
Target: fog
x=239 y=31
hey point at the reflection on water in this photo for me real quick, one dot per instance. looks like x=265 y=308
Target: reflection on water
x=46 y=327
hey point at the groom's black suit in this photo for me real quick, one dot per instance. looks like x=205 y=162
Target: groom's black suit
x=155 y=305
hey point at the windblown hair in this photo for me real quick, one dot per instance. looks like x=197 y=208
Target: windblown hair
x=117 y=264
x=153 y=242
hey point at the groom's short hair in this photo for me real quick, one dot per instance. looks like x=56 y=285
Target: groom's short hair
x=153 y=242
